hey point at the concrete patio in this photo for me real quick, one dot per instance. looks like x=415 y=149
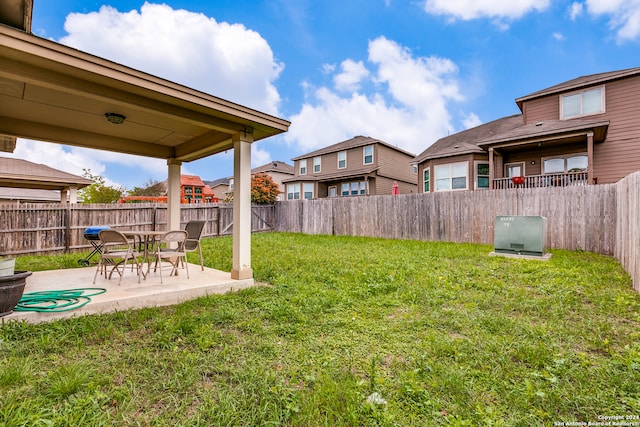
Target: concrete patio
x=129 y=294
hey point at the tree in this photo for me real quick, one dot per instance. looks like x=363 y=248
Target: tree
x=263 y=190
x=99 y=191
x=151 y=188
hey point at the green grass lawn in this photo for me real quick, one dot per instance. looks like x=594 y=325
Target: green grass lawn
x=352 y=332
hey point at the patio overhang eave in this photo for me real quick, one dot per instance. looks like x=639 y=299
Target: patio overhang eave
x=52 y=92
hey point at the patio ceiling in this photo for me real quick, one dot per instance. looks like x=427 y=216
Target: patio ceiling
x=51 y=92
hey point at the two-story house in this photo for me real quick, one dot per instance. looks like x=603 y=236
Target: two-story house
x=580 y=132
x=193 y=190
x=277 y=170
x=356 y=167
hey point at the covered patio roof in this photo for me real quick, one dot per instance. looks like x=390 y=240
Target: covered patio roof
x=51 y=92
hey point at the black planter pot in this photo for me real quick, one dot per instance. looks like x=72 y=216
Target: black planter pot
x=11 y=289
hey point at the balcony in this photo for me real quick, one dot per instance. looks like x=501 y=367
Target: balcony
x=548 y=180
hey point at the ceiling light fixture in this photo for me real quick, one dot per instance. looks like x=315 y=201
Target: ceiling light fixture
x=115 y=118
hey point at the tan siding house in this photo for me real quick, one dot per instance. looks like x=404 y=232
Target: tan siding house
x=581 y=132
x=277 y=170
x=356 y=167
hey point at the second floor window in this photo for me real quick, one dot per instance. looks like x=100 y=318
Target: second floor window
x=303 y=167
x=367 y=152
x=575 y=163
x=582 y=103
x=316 y=164
x=342 y=159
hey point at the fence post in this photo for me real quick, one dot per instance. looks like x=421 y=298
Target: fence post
x=67 y=228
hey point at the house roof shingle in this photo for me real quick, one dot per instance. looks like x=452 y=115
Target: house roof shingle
x=580 y=82
x=332 y=176
x=191 y=180
x=355 y=142
x=274 y=166
x=545 y=128
x=465 y=142
x=25 y=174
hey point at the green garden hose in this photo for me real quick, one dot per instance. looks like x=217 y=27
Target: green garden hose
x=56 y=301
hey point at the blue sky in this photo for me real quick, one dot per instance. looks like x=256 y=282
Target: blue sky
x=405 y=72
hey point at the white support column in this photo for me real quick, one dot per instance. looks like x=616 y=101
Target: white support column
x=241 y=267
x=173 y=194
x=73 y=195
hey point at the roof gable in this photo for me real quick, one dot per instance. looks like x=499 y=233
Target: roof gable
x=25 y=174
x=192 y=180
x=355 y=142
x=580 y=82
x=466 y=141
x=274 y=166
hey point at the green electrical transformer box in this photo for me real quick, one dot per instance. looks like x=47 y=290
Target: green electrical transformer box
x=522 y=235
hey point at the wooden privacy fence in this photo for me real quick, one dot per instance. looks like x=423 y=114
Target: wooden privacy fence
x=596 y=218
x=53 y=228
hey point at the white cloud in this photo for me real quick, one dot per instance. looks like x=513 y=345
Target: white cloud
x=259 y=156
x=474 y=9
x=409 y=109
x=222 y=59
x=75 y=160
x=67 y=159
x=225 y=60
x=328 y=68
x=351 y=75
x=558 y=36
x=624 y=16
x=471 y=120
x=575 y=10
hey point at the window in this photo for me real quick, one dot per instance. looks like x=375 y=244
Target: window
x=427 y=181
x=198 y=190
x=367 y=152
x=355 y=188
x=342 y=159
x=231 y=184
x=316 y=164
x=514 y=169
x=293 y=191
x=582 y=103
x=188 y=190
x=308 y=191
x=333 y=191
x=303 y=167
x=482 y=175
x=570 y=163
x=451 y=177
x=415 y=169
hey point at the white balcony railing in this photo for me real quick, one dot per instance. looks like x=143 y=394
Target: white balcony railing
x=547 y=180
